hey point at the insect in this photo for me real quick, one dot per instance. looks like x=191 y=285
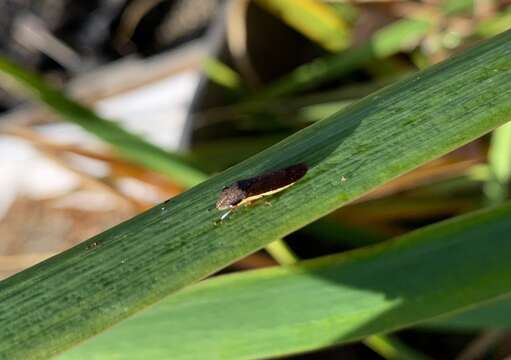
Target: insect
x=244 y=192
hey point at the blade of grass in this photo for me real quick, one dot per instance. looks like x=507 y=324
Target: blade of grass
x=496 y=192
x=279 y=251
x=499 y=164
x=317 y=112
x=331 y=300
x=82 y=291
x=494 y=315
x=388 y=347
x=385 y=42
x=314 y=19
x=214 y=156
x=128 y=145
x=330 y=231
x=221 y=74
x=346 y=93
x=391 y=348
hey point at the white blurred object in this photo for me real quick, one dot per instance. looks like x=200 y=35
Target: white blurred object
x=88 y=200
x=70 y=134
x=139 y=190
x=92 y=167
x=156 y=111
x=27 y=172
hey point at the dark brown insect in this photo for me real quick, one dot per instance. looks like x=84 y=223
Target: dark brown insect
x=246 y=191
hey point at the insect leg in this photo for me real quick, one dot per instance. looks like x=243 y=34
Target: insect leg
x=225 y=215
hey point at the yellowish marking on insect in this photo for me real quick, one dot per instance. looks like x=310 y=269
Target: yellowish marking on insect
x=251 y=199
x=245 y=192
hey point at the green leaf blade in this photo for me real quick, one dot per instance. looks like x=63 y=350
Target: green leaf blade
x=128 y=145
x=446 y=267
x=385 y=42
x=314 y=19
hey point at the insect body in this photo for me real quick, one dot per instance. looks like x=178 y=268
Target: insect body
x=246 y=191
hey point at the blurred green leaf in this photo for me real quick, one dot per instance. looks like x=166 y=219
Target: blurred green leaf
x=314 y=19
x=317 y=112
x=222 y=74
x=332 y=300
x=128 y=145
x=493 y=315
x=393 y=349
x=329 y=231
x=385 y=42
x=499 y=165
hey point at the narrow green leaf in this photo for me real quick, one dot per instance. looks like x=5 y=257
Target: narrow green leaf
x=129 y=145
x=314 y=113
x=388 y=347
x=94 y=285
x=279 y=250
x=332 y=300
x=391 y=348
x=314 y=19
x=222 y=74
x=494 y=315
x=331 y=231
x=499 y=164
x=385 y=42
x=500 y=153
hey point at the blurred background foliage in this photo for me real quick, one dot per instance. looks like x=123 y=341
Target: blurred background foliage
x=267 y=69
